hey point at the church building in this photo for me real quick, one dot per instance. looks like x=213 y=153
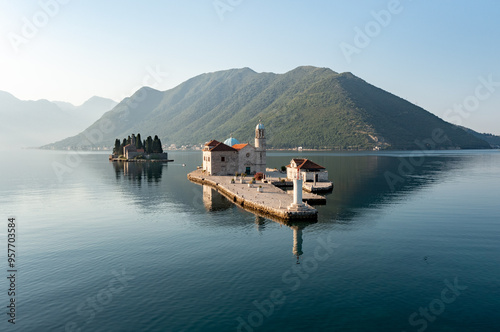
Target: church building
x=233 y=157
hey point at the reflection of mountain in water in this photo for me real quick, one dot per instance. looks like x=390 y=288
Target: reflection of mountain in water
x=366 y=182
x=361 y=180
x=360 y=184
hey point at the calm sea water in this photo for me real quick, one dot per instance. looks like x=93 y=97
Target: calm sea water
x=406 y=242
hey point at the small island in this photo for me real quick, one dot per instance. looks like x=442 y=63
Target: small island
x=262 y=194
x=133 y=149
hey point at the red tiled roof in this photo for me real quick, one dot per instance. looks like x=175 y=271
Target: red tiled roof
x=240 y=146
x=306 y=164
x=212 y=143
x=222 y=147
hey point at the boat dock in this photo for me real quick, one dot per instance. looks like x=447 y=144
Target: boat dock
x=270 y=200
x=317 y=187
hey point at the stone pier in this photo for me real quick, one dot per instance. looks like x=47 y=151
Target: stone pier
x=270 y=200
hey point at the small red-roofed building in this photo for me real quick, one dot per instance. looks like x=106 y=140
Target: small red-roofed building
x=307 y=169
x=219 y=159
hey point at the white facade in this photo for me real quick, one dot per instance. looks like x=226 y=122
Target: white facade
x=308 y=171
x=246 y=159
x=220 y=160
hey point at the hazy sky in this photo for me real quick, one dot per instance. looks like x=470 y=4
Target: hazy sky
x=441 y=55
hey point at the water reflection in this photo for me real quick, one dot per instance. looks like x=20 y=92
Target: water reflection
x=260 y=223
x=298 y=228
x=138 y=171
x=143 y=183
x=360 y=186
x=297 y=241
x=360 y=183
x=364 y=181
x=214 y=201
x=377 y=180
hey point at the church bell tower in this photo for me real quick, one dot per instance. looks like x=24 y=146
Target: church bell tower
x=260 y=148
x=260 y=138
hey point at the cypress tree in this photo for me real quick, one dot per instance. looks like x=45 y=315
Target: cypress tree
x=149 y=144
x=116 y=149
x=160 y=146
x=139 y=142
x=155 y=144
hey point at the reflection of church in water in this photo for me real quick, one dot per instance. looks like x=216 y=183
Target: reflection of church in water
x=214 y=201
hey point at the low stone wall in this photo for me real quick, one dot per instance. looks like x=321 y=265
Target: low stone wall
x=320 y=187
x=282 y=184
x=142 y=160
x=147 y=157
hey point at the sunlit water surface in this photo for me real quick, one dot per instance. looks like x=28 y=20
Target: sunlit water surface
x=110 y=247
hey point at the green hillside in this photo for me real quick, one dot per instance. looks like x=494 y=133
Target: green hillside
x=308 y=106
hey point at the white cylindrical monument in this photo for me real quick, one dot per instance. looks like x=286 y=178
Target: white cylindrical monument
x=297 y=204
x=297 y=191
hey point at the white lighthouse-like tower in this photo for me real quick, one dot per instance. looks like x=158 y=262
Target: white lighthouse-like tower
x=297 y=204
x=260 y=148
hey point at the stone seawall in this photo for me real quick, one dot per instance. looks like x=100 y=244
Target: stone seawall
x=273 y=203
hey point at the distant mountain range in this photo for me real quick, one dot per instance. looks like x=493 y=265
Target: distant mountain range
x=492 y=140
x=308 y=106
x=28 y=123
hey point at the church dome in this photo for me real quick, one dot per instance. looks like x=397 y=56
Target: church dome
x=260 y=126
x=231 y=141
